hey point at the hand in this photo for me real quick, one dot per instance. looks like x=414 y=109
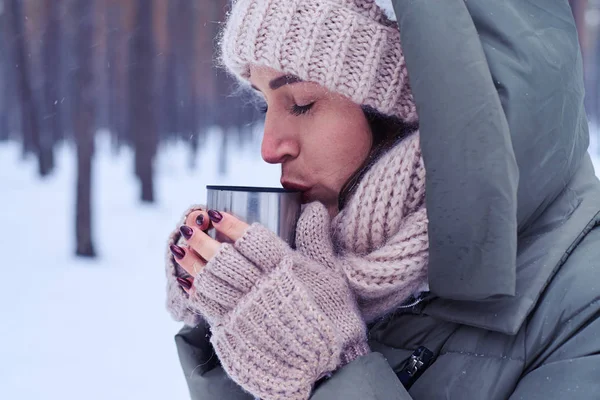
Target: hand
x=266 y=303
x=200 y=248
x=178 y=303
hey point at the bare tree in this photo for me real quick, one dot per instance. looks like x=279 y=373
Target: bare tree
x=83 y=123
x=180 y=101
x=179 y=79
x=10 y=110
x=235 y=114
x=32 y=141
x=4 y=81
x=142 y=121
x=205 y=30
x=51 y=65
x=116 y=63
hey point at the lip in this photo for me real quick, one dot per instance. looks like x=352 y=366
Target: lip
x=298 y=187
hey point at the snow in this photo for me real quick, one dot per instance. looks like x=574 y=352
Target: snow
x=74 y=328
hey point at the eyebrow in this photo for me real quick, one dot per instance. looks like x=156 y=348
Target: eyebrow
x=281 y=81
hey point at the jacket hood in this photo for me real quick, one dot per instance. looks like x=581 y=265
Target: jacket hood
x=499 y=91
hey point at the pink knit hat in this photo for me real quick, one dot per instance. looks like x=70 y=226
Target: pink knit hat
x=348 y=46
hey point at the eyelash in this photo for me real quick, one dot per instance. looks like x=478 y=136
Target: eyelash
x=294 y=110
x=299 y=110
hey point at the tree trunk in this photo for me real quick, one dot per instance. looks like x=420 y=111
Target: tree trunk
x=83 y=114
x=141 y=98
x=181 y=85
x=32 y=142
x=186 y=48
x=232 y=112
x=51 y=62
x=115 y=89
x=4 y=81
x=223 y=151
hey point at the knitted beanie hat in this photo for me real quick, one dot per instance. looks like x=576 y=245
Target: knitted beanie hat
x=348 y=46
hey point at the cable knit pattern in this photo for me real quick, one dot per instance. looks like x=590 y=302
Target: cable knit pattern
x=348 y=46
x=279 y=320
x=381 y=234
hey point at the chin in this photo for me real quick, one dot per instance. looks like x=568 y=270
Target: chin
x=321 y=196
x=307 y=198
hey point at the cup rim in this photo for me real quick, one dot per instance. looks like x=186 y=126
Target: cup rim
x=253 y=189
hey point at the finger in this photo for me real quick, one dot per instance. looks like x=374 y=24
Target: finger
x=198 y=219
x=200 y=242
x=227 y=224
x=186 y=284
x=188 y=260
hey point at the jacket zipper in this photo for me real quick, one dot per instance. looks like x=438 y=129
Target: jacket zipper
x=414 y=367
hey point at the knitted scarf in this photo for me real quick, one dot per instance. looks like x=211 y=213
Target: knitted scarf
x=381 y=233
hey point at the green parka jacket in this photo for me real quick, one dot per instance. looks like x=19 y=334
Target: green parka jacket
x=514 y=209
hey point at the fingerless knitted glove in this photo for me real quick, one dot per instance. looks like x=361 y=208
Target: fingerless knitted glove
x=279 y=320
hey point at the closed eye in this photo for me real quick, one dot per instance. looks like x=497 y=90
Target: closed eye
x=294 y=110
x=300 y=110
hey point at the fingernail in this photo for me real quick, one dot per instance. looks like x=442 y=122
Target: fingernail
x=177 y=251
x=186 y=231
x=215 y=216
x=200 y=220
x=184 y=283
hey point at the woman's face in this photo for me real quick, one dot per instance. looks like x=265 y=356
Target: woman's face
x=320 y=138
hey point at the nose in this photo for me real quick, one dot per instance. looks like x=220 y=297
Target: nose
x=278 y=144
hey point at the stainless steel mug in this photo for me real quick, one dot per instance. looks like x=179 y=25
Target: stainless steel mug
x=277 y=209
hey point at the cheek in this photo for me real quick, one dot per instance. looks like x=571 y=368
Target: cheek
x=342 y=148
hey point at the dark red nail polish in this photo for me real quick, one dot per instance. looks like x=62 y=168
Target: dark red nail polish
x=177 y=251
x=186 y=231
x=184 y=283
x=200 y=220
x=215 y=216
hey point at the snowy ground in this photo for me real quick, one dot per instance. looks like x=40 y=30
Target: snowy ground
x=74 y=329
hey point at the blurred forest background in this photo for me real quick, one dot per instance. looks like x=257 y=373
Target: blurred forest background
x=144 y=71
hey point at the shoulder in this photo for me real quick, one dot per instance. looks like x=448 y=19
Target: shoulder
x=576 y=284
x=569 y=307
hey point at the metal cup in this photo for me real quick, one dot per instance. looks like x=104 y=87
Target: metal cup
x=276 y=209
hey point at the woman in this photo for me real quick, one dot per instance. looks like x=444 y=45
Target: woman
x=501 y=254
